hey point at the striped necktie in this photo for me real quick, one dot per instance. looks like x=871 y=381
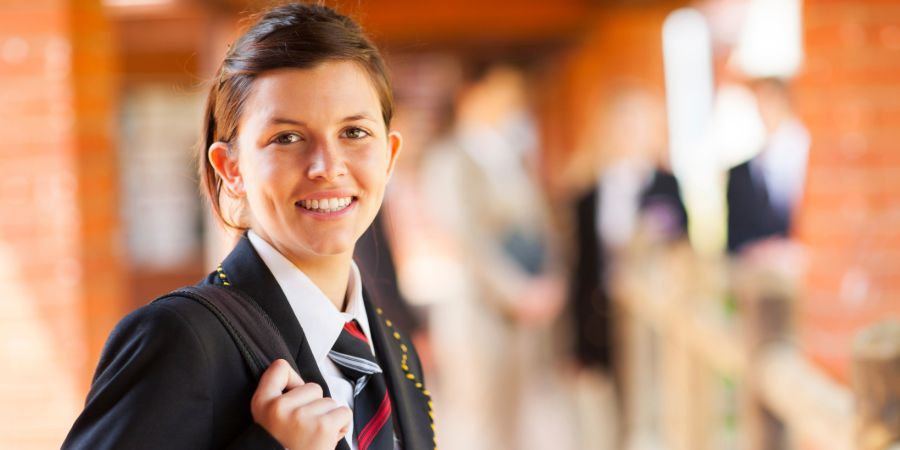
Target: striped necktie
x=372 y=425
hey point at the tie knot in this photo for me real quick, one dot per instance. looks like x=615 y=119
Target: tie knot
x=352 y=354
x=355 y=330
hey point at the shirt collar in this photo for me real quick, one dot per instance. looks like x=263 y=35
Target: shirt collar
x=321 y=321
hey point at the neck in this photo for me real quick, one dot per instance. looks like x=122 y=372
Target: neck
x=330 y=274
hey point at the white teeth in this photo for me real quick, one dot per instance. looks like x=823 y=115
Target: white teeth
x=326 y=204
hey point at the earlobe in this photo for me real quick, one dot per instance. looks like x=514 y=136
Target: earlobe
x=225 y=163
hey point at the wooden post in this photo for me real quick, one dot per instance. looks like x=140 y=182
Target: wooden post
x=876 y=386
x=764 y=294
x=764 y=322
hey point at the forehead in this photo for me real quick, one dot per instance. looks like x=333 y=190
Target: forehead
x=327 y=91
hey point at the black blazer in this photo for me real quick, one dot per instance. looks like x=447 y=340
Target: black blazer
x=170 y=377
x=590 y=303
x=751 y=216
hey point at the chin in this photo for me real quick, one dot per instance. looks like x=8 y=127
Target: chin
x=332 y=247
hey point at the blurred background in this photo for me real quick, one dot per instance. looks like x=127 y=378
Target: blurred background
x=615 y=224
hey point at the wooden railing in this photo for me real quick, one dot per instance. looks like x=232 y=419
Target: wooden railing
x=708 y=362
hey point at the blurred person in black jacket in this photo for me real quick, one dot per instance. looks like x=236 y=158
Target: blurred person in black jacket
x=763 y=192
x=659 y=199
x=633 y=191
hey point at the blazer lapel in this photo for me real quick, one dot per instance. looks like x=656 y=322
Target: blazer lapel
x=411 y=410
x=247 y=272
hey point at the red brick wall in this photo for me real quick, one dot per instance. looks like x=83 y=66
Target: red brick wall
x=622 y=46
x=60 y=279
x=849 y=96
x=95 y=77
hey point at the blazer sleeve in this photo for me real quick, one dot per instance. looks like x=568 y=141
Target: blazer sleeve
x=152 y=390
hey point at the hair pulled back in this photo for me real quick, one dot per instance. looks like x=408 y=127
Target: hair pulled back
x=293 y=35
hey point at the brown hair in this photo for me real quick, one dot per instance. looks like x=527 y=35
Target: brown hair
x=293 y=35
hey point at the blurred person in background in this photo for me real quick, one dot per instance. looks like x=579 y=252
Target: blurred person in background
x=500 y=387
x=634 y=192
x=763 y=192
x=297 y=150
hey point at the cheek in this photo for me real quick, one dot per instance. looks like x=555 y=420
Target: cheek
x=265 y=174
x=372 y=170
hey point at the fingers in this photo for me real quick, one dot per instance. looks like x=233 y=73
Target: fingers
x=321 y=406
x=296 y=413
x=339 y=418
x=294 y=379
x=301 y=395
x=275 y=380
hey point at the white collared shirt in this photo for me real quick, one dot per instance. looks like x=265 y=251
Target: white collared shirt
x=321 y=321
x=618 y=215
x=783 y=164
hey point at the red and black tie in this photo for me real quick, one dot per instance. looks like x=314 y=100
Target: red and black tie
x=372 y=425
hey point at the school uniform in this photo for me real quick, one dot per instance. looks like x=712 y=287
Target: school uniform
x=751 y=216
x=171 y=376
x=605 y=217
x=763 y=192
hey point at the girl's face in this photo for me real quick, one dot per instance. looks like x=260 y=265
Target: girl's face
x=311 y=158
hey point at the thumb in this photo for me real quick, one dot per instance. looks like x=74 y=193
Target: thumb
x=278 y=378
x=294 y=378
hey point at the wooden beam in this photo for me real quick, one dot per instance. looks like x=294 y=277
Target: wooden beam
x=876 y=383
x=814 y=407
x=441 y=22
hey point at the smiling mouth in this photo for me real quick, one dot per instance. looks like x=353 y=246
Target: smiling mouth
x=326 y=205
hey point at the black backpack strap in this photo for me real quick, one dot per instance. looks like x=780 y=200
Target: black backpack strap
x=251 y=329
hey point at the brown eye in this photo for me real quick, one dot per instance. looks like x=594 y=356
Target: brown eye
x=287 y=138
x=355 y=133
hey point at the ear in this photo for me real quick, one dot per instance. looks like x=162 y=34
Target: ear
x=225 y=162
x=395 y=143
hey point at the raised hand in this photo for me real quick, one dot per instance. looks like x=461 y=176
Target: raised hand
x=296 y=413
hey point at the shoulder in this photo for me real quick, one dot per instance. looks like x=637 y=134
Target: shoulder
x=160 y=382
x=172 y=345
x=585 y=199
x=170 y=311
x=741 y=168
x=166 y=318
x=174 y=331
x=665 y=179
x=739 y=176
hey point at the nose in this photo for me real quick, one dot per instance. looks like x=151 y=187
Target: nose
x=326 y=162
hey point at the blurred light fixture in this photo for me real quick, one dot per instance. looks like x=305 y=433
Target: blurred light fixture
x=687 y=59
x=687 y=62
x=771 y=40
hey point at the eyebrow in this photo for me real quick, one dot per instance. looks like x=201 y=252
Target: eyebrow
x=282 y=120
x=351 y=118
x=285 y=120
x=359 y=116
